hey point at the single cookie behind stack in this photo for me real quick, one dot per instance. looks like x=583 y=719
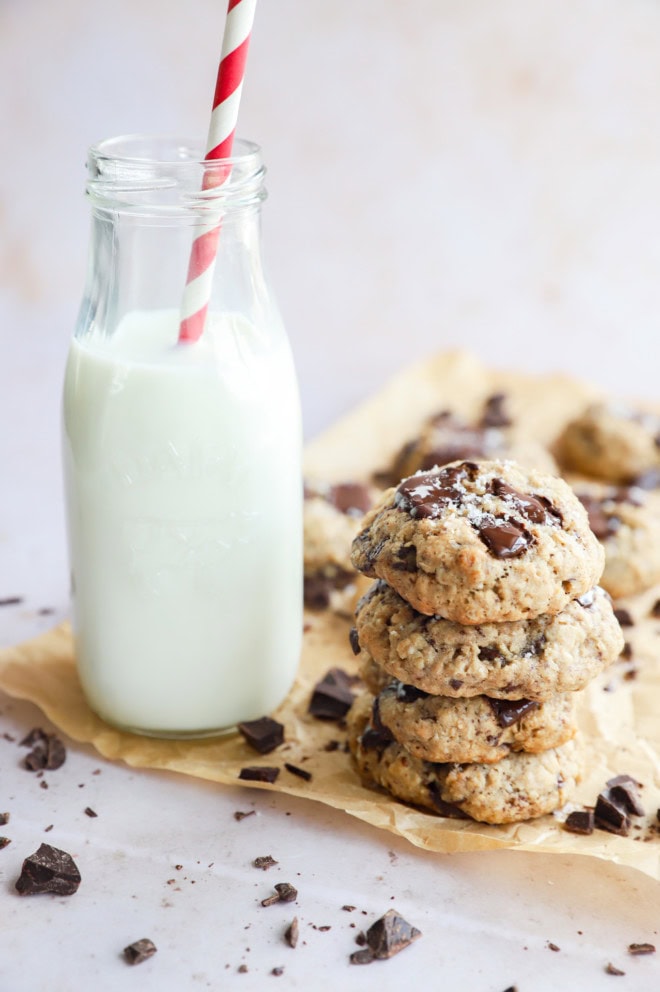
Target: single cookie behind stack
x=484 y=625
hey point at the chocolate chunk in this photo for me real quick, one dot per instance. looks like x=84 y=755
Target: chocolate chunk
x=139 y=951
x=510 y=711
x=580 y=821
x=350 y=498
x=354 y=640
x=277 y=971
x=48 y=870
x=489 y=653
x=409 y=693
x=494 y=414
x=90 y=812
x=455 y=684
x=4 y=819
x=626 y=651
x=428 y=493
x=641 y=948
x=264 y=862
x=11 y=601
x=48 y=752
x=624 y=618
x=264 y=734
x=535 y=509
x=4 y=841
x=406 y=558
x=259 y=773
x=611 y=969
x=624 y=792
x=446 y=809
x=390 y=934
x=363 y=956
x=316 y=592
x=655 y=609
x=504 y=538
x=376 y=736
x=553 y=947
x=300 y=772
x=285 y=893
x=601 y=523
x=241 y=814
x=610 y=816
x=332 y=697
x=291 y=932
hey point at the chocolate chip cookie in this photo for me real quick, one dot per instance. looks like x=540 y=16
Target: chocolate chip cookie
x=626 y=520
x=478 y=729
x=531 y=659
x=613 y=442
x=518 y=787
x=479 y=542
x=332 y=517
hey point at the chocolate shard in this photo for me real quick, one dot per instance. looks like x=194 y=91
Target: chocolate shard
x=4 y=841
x=580 y=821
x=333 y=696
x=264 y=862
x=390 y=934
x=611 y=969
x=610 y=816
x=48 y=752
x=300 y=772
x=284 y=892
x=263 y=735
x=624 y=792
x=504 y=538
x=139 y=951
x=643 y=948
x=510 y=711
x=48 y=870
x=354 y=640
x=291 y=933
x=406 y=693
x=4 y=819
x=259 y=773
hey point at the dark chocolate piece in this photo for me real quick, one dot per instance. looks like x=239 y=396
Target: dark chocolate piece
x=406 y=558
x=510 y=711
x=624 y=792
x=277 y=971
x=601 y=523
x=624 y=618
x=11 y=601
x=494 y=414
x=409 y=693
x=259 y=773
x=48 y=870
x=611 y=969
x=4 y=841
x=354 y=640
x=264 y=734
x=332 y=697
x=428 y=493
x=285 y=893
x=350 y=498
x=363 y=956
x=90 y=812
x=655 y=609
x=489 y=653
x=300 y=772
x=580 y=821
x=504 y=538
x=610 y=816
x=291 y=932
x=446 y=809
x=139 y=951
x=264 y=862
x=535 y=509
x=316 y=592
x=4 y=819
x=390 y=934
x=48 y=752
x=643 y=948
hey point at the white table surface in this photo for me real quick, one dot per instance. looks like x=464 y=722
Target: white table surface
x=487 y=919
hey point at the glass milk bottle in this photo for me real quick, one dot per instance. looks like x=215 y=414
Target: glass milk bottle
x=182 y=460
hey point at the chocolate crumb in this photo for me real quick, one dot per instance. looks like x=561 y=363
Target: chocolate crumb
x=90 y=812
x=241 y=814
x=641 y=948
x=277 y=971
x=291 y=933
x=348 y=909
x=259 y=773
x=655 y=609
x=4 y=819
x=263 y=735
x=390 y=934
x=48 y=751
x=300 y=772
x=4 y=841
x=242 y=969
x=624 y=618
x=611 y=969
x=580 y=821
x=48 y=870
x=332 y=697
x=264 y=862
x=553 y=947
x=11 y=601
x=48 y=828
x=354 y=641
x=285 y=893
x=139 y=951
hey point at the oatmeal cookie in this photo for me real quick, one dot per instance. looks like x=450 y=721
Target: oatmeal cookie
x=480 y=728
x=481 y=541
x=613 y=442
x=626 y=520
x=518 y=787
x=531 y=659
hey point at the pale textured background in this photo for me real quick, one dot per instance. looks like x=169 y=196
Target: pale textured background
x=442 y=173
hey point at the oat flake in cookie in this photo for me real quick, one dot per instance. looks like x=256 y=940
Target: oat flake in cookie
x=481 y=541
x=531 y=659
x=519 y=787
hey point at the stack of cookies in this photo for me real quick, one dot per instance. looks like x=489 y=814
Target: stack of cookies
x=485 y=623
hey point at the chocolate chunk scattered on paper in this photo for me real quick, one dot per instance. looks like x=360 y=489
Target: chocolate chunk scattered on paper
x=264 y=734
x=139 y=951
x=48 y=870
x=259 y=773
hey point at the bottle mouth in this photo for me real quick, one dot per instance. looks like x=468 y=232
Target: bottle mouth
x=166 y=173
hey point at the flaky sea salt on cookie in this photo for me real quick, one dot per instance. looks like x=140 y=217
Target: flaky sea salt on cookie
x=518 y=787
x=534 y=658
x=481 y=541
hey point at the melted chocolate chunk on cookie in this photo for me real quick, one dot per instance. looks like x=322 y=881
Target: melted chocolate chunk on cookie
x=442 y=807
x=376 y=736
x=489 y=653
x=428 y=493
x=409 y=693
x=406 y=558
x=510 y=711
x=535 y=509
x=350 y=498
x=495 y=414
x=504 y=538
x=603 y=524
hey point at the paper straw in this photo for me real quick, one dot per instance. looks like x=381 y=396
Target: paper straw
x=226 y=100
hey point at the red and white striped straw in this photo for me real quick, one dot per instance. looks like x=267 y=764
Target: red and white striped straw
x=226 y=100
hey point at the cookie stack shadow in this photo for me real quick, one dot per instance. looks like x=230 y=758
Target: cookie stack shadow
x=483 y=627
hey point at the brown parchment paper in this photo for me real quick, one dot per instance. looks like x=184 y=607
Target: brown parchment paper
x=619 y=723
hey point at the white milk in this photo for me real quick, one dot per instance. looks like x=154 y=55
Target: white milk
x=183 y=476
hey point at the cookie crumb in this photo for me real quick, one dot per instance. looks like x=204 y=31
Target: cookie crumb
x=611 y=969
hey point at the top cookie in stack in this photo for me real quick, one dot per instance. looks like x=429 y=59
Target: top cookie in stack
x=491 y=572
